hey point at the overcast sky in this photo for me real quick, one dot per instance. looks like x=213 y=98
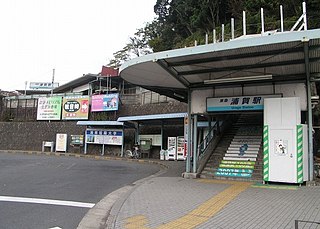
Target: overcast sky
x=74 y=37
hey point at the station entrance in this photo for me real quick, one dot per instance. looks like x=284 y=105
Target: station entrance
x=283 y=65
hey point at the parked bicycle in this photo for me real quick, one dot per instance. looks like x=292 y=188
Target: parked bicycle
x=134 y=154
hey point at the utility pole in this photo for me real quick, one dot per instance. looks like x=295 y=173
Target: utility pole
x=53 y=70
x=25 y=87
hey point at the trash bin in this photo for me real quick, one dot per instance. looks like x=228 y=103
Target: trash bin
x=162 y=154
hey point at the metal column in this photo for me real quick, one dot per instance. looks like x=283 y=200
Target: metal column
x=188 y=164
x=161 y=134
x=137 y=134
x=122 y=146
x=195 y=143
x=310 y=137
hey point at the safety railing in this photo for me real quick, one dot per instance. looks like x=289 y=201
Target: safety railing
x=210 y=142
x=213 y=132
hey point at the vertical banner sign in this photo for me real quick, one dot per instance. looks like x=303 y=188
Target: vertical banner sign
x=49 y=108
x=185 y=121
x=75 y=107
x=108 y=102
x=61 y=142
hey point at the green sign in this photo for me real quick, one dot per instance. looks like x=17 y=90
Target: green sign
x=49 y=108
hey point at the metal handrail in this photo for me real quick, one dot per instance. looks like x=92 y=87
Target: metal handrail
x=213 y=132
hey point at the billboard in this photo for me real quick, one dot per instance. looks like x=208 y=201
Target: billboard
x=43 y=85
x=103 y=136
x=108 y=102
x=49 y=108
x=75 y=107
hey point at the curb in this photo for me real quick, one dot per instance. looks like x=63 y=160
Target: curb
x=76 y=155
x=104 y=213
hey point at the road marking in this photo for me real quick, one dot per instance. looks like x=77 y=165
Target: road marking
x=200 y=214
x=46 y=201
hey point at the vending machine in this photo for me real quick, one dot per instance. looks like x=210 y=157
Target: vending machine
x=180 y=148
x=285 y=141
x=172 y=148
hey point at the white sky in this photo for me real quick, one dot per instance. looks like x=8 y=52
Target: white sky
x=74 y=37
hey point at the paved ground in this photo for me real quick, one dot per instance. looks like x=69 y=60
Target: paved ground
x=165 y=200
x=169 y=201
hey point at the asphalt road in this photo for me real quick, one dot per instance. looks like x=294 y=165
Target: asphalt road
x=58 y=178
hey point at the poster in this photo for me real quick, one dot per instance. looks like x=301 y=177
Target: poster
x=75 y=107
x=49 y=108
x=281 y=147
x=61 y=142
x=108 y=102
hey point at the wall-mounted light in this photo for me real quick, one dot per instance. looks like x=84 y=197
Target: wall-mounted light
x=238 y=79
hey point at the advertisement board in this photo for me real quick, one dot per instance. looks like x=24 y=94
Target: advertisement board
x=102 y=136
x=61 y=142
x=75 y=107
x=49 y=108
x=108 y=102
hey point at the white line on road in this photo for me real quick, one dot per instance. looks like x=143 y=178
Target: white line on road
x=46 y=201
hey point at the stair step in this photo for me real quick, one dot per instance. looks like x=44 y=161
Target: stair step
x=230 y=166
x=229 y=174
x=247 y=137
x=255 y=152
x=237 y=162
x=250 y=146
x=239 y=158
x=235 y=170
x=242 y=141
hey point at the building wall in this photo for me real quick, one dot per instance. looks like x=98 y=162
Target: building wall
x=198 y=97
x=29 y=135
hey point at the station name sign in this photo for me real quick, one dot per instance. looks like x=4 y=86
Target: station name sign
x=237 y=103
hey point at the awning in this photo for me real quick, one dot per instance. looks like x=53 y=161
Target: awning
x=152 y=117
x=99 y=123
x=244 y=60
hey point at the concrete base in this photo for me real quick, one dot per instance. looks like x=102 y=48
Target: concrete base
x=190 y=175
x=311 y=183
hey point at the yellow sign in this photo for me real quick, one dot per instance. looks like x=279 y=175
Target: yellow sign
x=75 y=107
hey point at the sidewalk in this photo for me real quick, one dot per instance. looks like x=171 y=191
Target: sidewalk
x=166 y=200
x=169 y=201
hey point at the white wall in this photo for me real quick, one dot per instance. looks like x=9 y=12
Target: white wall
x=198 y=97
x=199 y=100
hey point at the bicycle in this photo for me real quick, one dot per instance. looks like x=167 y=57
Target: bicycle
x=135 y=154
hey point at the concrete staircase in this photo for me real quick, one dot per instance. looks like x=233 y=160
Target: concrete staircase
x=239 y=153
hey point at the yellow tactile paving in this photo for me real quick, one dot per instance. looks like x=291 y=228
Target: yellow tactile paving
x=200 y=214
x=138 y=222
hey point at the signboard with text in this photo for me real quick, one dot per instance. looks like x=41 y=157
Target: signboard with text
x=75 y=107
x=106 y=137
x=61 y=142
x=108 y=102
x=237 y=103
x=49 y=108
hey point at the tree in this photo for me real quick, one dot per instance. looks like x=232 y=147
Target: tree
x=180 y=22
x=137 y=46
